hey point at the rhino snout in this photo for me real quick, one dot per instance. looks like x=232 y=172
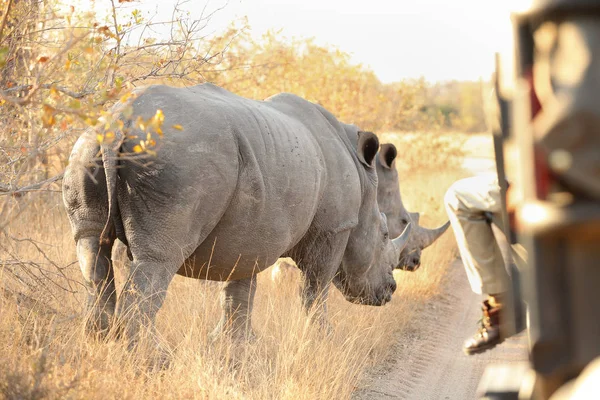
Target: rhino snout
x=413 y=264
x=383 y=295
x=410 y=262
x=376 y=297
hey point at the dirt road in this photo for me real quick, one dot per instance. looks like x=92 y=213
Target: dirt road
x=427 y=363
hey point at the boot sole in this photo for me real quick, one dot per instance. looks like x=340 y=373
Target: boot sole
x=481 y=349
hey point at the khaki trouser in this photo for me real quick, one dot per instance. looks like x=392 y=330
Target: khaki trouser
x=467 y=201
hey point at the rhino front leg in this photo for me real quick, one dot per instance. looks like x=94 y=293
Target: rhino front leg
x=237 y=298
x=319 y=259
x=315 y=292
x=96 y=267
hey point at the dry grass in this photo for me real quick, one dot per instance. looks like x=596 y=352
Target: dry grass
x=43 y=352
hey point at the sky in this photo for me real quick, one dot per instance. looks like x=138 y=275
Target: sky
x=437 y=39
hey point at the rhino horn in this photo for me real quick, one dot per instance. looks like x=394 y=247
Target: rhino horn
x=400 y=241
x=427 y=236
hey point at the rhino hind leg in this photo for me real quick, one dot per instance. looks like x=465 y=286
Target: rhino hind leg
x=237 y=298
x=97 y=269
x=142 y=296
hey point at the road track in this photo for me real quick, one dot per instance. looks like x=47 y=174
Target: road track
x=428 y=362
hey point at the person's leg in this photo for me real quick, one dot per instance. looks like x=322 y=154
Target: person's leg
x=467 y=201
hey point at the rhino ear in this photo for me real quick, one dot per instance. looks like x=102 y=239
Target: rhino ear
x=387 y=155
x=368 y=144
x=415 y=217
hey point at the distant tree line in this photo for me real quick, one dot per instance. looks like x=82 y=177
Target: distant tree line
x=63 y=67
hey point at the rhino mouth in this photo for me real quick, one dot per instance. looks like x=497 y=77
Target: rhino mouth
x=368 y=296
x=375 y=301
x=409 y=262
x=409 y=268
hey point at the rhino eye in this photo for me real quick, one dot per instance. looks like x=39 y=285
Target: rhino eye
x=386 y=236
x=404 y=221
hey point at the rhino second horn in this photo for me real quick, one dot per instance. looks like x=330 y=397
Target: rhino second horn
x=428 y=236
x=400 y=241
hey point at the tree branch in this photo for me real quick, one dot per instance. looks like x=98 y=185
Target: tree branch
x=64 y=90
x=8 y=190
x=5 y=18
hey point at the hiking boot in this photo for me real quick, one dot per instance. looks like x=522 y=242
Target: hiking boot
x=488 y=335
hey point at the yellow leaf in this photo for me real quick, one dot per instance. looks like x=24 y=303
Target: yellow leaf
x=89 y=50
x=178 y=127
x=91 y=121
x=105 y=30
x=110 y=135
x=67 y=65
x=100 y=138
x=48 y=116
x=125 y=97
x=54 y=91
x=137 y=148
x=160 y=116
x=140 y=123
x=48 y=121
x=75 y=103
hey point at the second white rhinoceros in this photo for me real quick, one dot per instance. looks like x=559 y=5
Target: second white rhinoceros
x=390 y=203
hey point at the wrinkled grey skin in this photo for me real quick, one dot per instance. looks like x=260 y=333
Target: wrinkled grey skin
x=390 y=203
x=244 y=183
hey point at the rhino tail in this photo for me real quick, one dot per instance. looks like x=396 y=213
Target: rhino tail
x=114 y=224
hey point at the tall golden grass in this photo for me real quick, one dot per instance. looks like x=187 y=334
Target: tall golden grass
x=44 y=352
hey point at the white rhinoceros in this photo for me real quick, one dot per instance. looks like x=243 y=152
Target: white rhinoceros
x=244 y=183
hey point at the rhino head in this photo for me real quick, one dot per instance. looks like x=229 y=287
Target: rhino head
x=365 y=275
x=390 y=203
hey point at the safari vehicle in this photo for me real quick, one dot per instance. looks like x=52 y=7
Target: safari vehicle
x=553 y=116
